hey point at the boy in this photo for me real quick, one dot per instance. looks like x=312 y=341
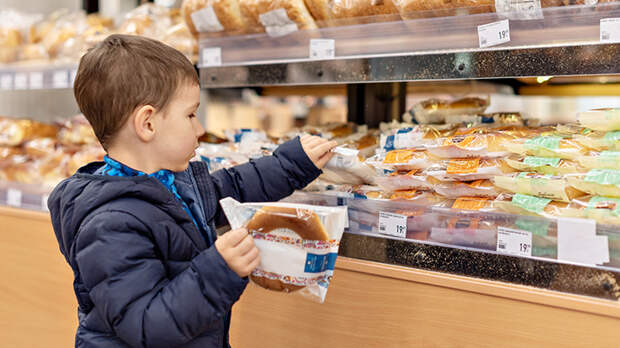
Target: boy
x=139 y=229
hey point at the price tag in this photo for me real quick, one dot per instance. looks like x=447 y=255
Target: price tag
x=14 y=198
x=72 y=74
x=393 y=224
x=211 y=56
x=6 y=81
x=322 y=49
x=60 y=79
x=610 y=30
x=514 y=242
x=493 y=34
x=44 y=199
x=36 y=80
x=21 y=81
x=578 y=242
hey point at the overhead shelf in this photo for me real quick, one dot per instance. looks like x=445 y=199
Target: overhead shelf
x=37 y=76
x=565 y=42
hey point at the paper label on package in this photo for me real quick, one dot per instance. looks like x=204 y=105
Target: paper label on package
x=36 y=80
x=610 y=30
x=6 y=81
x=514 y=242
x=603 y=177
x=493 y=34
x=277 y=23
x=21 y=81
x=519 y=9
x=205 y=20
x=393 y=224
x=60 y=79
x=14 y=198
x=541 y=161
x=322 y=49
x=211 y=56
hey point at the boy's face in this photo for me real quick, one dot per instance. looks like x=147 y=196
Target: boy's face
x=179 y=129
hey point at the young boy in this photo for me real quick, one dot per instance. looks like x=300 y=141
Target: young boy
x=138 y=230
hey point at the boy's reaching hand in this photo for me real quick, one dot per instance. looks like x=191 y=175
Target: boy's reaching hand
x=318 y=149
x=238 y=250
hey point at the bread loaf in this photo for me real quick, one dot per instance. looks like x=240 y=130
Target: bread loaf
x=296 y=11
x=227 y=12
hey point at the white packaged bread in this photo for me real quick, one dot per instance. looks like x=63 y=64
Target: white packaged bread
x=604 y=210
x=600 y=182
x=297 y=243
x=600 y=160
x=607 y=119
x=276 y=17
x=347 y=167
x=544 y=165
x=213 y=16
x=469 y=169
x=539 y=185
x=547 y=146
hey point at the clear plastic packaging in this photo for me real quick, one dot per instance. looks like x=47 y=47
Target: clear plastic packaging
x=213 y=16
x=16 y=131
x=298 y=244
x=413 y=180
x=600 y=182
x=276 y=17
x=180 y=38
x=472 y=203
x=379 y=10
x=600 y=140
x=346 y=167
x=470 y=145
x=604 y=210
x=434 y=111
x=607 y=119
x=600 y=160
x=467 y=232
x=76 y=131
x=539 y=185
x=468 y=169
x=544 y=165
x=547 y=146
x=521 y=204
x=457 y=189
x=402 y=160
x=147 y=20
x=416 y=137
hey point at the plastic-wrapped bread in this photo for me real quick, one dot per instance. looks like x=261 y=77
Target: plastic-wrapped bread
x=521 y=204
x=276 y=17
x=16 y=131
x=433 y=111
x=599 y=140
x=544 y=165
x=322 y=12
x=213 y=16
x=607 y=119
x=469 y=169
x=547 y=146
x=402 y=160
x=539 y=185
x=412 y=9
x=458 y=189
x=347 y=167
x=600 y=182
x=600 y=160
x=490 y=145
x=604 y=210
x=413 y=180
x=382 y=10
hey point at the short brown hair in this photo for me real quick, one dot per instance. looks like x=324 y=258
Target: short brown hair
x=124 y=72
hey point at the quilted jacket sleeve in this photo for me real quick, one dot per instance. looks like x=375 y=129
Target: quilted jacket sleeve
x=270 y=178
x=128 y=284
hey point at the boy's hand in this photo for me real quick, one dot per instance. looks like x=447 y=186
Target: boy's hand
x=318 y=149
x=238 y=250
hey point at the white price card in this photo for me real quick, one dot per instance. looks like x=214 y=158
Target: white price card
x=211 y=56
x=21 y=81
x=578 y=242
x=322 y=49
x=493 y=34
x=610 y=30
x=14 y=198
x=36 y=80
x=60 y=79
x=393 y=224
x=44 y=199
x=6 y=81
x=514 y=242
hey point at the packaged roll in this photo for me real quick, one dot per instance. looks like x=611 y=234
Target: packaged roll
x=213 y=16
x=547 y=146
x=412 y=137
x=544 y=165
x=472 y=203
x=17 y=131
x=403 y=160
x=600 y=182
x=276 y=17
x=413 y=9
x=77 y=131
x=423 y=198
x=520 y=204
x=607 y=119
x=600 y=160
x=345 y=9
x=539 y=185
x=466 y=232
x=434 y=111
x=468 y=146
x=298 y=244
x=456 y=189
x=85 y=155
x=600 y=140
x=346 y=167
x=366 y=144
x=469 y=169
x=413 y=180
x=40 y=147
x=604 y=210
x=7 y=152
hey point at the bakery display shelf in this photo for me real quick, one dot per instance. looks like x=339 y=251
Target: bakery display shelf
x=465 y=243
x=24 y=196
x=37 y=76
x=423 y=49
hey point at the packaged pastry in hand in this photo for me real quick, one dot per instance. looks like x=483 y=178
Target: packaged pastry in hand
x=276 y=17
x=600 y=160
x=347 y=167
x=544 y=165
x=213 y=16
x=607 y=119
x=469 y=169
x=298 y=244
x=521 y=204
x=547 y=146
x=600 y=182
x=539 y=185
x=604 y=210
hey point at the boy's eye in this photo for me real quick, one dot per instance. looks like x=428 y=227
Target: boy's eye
x=191 y=115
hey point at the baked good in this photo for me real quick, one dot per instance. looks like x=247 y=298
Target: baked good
x=302 y=222
x=412 y=9
x=227 y=12
x=295 y=10
x=321 y=11
x=14 y=132
x=364 y=8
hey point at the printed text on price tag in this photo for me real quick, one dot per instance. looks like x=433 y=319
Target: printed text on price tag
x=36 y=80
x=6 y=81
x=322 y=49
x=211 y=56
x=493 y=34
x=514 y=242
x=393 y=224
x=610 y=30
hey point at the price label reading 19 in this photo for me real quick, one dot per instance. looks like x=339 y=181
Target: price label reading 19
x=493 y=34
x=503 y=34
x=393 y=224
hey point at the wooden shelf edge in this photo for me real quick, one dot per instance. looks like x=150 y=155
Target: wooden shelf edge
x=486 y=287
x=24 y=214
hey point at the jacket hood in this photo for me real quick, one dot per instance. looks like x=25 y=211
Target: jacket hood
x=81 y=194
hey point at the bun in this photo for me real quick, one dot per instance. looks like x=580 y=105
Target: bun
x=303 y=222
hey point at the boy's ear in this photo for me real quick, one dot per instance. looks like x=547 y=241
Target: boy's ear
x=144 y=122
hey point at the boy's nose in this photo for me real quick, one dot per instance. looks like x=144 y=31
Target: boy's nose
x=200 y=131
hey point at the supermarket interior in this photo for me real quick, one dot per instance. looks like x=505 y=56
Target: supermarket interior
x=478 y=142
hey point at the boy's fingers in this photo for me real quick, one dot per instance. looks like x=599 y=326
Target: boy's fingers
x=325 y=147
x=234 y=237
x=245 y=245
x=324 y=159
x=252 y=266
x=251 y=255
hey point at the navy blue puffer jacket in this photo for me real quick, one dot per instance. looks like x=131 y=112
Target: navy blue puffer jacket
x=145 y=276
